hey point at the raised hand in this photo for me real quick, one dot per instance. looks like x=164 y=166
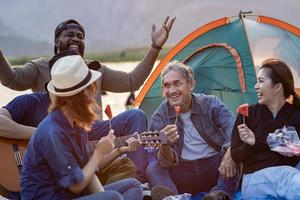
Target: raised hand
x=246 y=134
x=171 y=133
x=160 y=37
x=106 y=144
x=133 y=144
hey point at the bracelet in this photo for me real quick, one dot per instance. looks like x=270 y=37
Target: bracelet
x=155 y=46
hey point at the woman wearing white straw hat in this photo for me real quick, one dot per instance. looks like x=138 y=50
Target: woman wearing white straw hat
x=58 y=164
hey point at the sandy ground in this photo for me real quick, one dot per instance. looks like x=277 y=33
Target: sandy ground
x=116 y=100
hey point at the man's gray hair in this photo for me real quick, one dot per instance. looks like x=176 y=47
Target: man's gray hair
x=185 y=71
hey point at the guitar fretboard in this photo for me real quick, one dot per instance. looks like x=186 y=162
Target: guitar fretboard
x=119 y=142
x=148 y=139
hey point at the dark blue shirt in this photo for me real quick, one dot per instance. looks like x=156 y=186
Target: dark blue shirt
x=29 y=109
x=54 y=159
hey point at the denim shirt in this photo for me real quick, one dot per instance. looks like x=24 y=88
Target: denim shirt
x=211 y=118
x=54 y=159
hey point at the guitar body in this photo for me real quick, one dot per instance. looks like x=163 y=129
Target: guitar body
x=9 y=172
x=12 y=152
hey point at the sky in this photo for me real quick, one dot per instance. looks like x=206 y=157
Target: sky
x=112 y=24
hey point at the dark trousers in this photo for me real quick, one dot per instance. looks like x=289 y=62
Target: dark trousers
x=196 y=176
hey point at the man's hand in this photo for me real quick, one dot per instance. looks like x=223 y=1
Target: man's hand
x=227 y=167
x=160 y=37
x=246 y=134
x=132 y=145
x=106 y=144
x=171 y=133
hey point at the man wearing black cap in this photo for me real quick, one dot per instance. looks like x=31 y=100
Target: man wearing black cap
x=74 y=28
x=70 y=35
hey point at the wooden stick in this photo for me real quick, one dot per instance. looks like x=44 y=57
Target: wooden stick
x=176 y=118
x=109 y=125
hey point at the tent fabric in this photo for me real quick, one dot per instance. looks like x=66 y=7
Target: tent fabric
x=235 y=56
x=175 y=51
x=267 y=41
x=280 y=24
x=217 y=70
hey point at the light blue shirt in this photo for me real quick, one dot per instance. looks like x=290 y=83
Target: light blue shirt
x=194 y=146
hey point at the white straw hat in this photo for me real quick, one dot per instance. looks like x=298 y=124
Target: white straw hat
x=70 y=75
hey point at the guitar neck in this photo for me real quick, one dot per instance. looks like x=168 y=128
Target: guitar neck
x=148 y=139
x=119 y=142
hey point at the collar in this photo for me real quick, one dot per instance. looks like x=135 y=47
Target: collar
x=282 y=111
x=61 y=119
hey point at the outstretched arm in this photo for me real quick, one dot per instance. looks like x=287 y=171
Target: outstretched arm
x=133 y=80
x=17 y=78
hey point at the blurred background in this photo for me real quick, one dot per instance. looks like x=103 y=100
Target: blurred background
x=116 y=30
x=27 y=27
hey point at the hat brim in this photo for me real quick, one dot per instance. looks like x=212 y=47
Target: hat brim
x=50 y=86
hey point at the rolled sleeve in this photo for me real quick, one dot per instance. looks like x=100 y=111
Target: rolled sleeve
x=74 y=175
x=58 y=153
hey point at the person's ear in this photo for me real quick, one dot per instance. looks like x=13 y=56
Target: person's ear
x=192 y=84
x=163 y=94
x=278 y=87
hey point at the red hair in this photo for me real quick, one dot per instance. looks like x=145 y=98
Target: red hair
x=80 y=107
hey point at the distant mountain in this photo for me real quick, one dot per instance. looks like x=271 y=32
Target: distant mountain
x=13 y=44
x=27 y=26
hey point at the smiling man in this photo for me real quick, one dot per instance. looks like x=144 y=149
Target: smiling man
x=70 y=35
x=196 y=158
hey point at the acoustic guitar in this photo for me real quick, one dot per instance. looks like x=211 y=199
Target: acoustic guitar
x=12 y=152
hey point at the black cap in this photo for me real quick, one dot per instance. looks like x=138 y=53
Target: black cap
x=92 y=64
x=67 y=24
x=60 y=55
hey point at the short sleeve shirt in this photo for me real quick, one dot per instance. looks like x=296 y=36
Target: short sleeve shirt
x=29 y=109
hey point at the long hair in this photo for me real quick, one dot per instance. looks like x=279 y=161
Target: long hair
x=281 y=73
x=81 y=107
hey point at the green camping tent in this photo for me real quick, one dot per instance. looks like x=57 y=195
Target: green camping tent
x=225 y=55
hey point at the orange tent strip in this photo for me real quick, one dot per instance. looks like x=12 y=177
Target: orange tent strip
x=280 y=24
x=173 y=53
x=235 y=56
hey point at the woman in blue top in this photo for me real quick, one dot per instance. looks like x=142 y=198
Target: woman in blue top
x=268 y=174
x=58 y=164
